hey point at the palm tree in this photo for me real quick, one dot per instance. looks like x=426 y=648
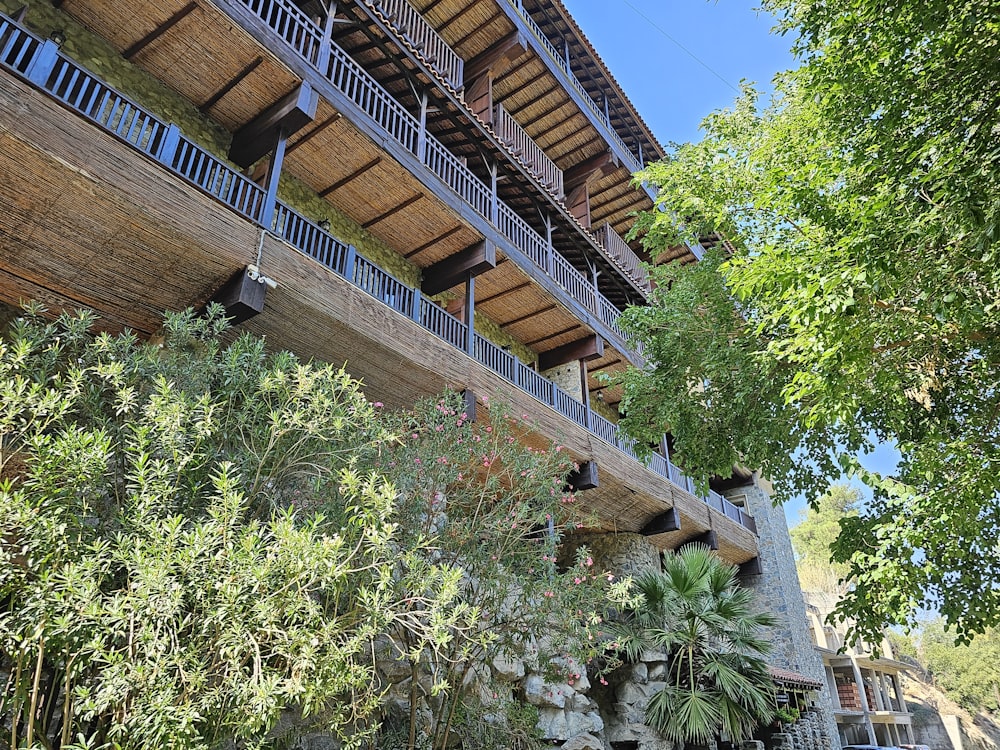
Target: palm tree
x=717 y=680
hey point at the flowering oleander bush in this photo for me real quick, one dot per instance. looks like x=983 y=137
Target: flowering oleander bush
x=205 y=545
x=480 y=499
x=167 y=578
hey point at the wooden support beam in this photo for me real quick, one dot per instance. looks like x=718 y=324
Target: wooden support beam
x=751 y=567
x=431 y=243
x=242 y=296
x=584 y=478
x=292 y=113
x=528 y=316
x=505 y=292
x=456 y=268
x=662 y=524
x=351 y=177
x=315 y=131
x=606 y=365
x=507 y=49
x=470 y=314
x=159 y=31
x=708 y=538
x=555 y=335
x=587 y=170
x=394 y=210
x=590 y=347
x=230 y=85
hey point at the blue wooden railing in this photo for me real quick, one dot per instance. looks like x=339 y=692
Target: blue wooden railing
x=41 y=63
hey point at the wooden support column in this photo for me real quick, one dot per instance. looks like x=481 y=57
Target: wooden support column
x=325 y=42
x=422 y=129
x=479 y=73
x=494 y=207
x=549 y=250
x=273 y=175
x=470 y=313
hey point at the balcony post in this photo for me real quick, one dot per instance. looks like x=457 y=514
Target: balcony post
x=494 y=208
x=326 y=42
x=548 y=244
x=349 y=257
x=585 y=391
x=470 y=311
x=415 y=304
x=422 y=130
x=273 y=175
x=43 y=62
x=168 y=146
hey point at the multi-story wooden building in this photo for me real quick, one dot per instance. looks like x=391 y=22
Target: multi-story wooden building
x=438 y=190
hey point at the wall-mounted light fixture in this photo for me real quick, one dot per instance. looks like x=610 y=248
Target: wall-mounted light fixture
x=324 y=224
x=58 y=37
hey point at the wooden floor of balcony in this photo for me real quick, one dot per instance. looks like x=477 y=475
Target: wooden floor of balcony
x=90 y=221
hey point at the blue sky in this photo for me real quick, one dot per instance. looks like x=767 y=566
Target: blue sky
x=679 y=60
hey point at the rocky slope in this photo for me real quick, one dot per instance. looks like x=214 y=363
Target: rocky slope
x=937 y=719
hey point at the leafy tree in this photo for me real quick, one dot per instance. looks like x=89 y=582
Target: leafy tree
x=717 y=680
x=857 y=219
x=968 y=673
x=165 y=577
x=811 y=537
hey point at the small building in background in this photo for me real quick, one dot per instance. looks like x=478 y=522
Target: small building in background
x=864 y=681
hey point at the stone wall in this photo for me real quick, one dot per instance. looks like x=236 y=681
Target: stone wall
x=777 y=590
x=567 y=377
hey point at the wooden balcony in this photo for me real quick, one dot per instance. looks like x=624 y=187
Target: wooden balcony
x=528 y=151
x=411 y=26
x=131 y=228
x=156 y=188
x=618 y=250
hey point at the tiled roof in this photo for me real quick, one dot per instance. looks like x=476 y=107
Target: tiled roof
x=793 y=679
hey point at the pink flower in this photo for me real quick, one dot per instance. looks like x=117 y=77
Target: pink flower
x=590 y=561
x=439 y=428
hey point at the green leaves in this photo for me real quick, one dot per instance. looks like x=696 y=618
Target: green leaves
x=164 y=572
x=717 y=680
x=858 y=216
